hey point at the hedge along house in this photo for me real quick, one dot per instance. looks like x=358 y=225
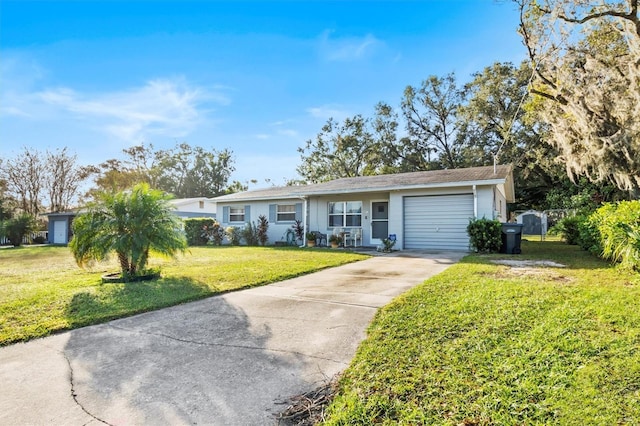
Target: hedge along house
x=425 y=210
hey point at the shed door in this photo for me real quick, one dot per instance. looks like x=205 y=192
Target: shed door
x=437 y=222
x=60 y=232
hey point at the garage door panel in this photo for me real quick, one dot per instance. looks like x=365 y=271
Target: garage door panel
x=437 y=222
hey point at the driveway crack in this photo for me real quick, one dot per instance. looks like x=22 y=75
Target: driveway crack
x=74 y=395
x=226 y=345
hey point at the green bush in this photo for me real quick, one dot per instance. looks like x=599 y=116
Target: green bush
x=589 y=239
x=214 y=233
x=15 y=229
x=569 y=229
x=38 y=240
x=234 y=235
x=250 y=234
x=619 y=227
x=485 y=235
x=194 y=229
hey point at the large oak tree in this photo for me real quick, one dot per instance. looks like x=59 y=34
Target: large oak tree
x=586 y=56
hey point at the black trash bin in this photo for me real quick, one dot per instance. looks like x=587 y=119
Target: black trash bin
x=511 y=238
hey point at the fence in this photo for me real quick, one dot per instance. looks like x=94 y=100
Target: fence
x=539 y=222
x=27 y=239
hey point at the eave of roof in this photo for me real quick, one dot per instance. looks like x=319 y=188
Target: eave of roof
x=382 y=183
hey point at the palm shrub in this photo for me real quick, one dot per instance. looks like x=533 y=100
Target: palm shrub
x=130 y=223
x=485 y=235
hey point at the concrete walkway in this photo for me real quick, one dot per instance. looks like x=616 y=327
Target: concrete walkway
x=226 y=360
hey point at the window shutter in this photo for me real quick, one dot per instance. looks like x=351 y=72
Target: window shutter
x=272 y=213
x=247 y=214
x=298 y=211
x=225 y=214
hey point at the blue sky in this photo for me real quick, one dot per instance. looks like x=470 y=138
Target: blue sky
x=259 y=78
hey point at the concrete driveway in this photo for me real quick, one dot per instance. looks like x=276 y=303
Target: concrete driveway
x=226 y=360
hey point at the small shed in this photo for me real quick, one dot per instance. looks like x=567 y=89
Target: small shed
x=60 y=227
x=534 y=222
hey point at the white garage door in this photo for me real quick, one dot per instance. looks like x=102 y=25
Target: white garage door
x=437 y=222
x=60 y=232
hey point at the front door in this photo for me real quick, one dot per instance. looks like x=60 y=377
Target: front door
x=379 y=221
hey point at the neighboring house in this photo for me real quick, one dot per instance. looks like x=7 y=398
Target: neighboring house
x=424 y=210
x=194 y=207
x=60 y=223
x=60 y=227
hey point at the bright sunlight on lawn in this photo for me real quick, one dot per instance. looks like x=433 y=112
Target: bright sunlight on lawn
x=42 y=290
x=487 y=344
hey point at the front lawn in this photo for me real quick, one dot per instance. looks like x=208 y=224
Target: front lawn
x=487 y=344
x=42 y=290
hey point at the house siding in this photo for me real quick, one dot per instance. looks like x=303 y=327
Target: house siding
x=276 y=231
x=319 y=214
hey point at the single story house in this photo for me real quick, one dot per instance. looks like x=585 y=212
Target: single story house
x=194 y=207
x=423 y=210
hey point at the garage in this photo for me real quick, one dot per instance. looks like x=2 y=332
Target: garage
x=437 y=222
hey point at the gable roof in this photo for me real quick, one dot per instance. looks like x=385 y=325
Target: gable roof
x=393 y=182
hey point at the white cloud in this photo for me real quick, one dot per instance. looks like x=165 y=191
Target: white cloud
x=288 y=132
x=347 y=48
x=328 y=111
x=162 y=106
x=14 y=111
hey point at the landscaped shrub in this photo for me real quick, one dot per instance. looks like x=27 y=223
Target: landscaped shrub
x=263 y=227
x=193 y=228
x=569 y=229
x=250 y=234
x=619 y=228
x=15 y=229
x=214 y=233
x=485 y=235
x=298 y=230
x=589 y=239
x=233 y=234
x=38 y=240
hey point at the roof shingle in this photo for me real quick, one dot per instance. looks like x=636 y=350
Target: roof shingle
x=432 y=178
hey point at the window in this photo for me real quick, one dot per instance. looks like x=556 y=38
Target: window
x=286 y=213
x=236 y=214
x=201 y=204
x=345 y=214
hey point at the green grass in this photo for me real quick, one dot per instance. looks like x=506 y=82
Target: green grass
x=42 y=290
x=480 y=344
